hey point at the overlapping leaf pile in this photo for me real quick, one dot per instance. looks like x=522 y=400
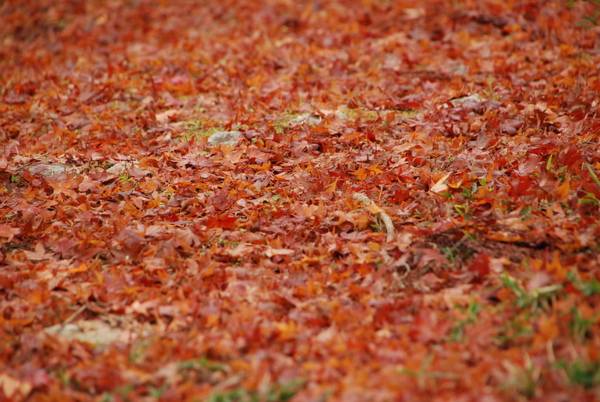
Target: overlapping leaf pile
x=139 y=259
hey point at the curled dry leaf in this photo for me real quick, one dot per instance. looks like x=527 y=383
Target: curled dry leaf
x=380 y=213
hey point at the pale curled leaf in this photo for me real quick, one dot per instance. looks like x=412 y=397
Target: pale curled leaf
x=440 y=185
x=379 y=212
x=279 y=251
x=13 y=387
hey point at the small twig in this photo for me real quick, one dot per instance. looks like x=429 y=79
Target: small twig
x=385 y=218
x=72 y=317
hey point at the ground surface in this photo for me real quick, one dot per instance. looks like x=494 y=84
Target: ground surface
x=139 y=260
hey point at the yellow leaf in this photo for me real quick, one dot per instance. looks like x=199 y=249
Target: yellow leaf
x=459 y=182
x=374 y=246
x=212 y=320
x=375 y=168
x=361 y=173
x=99 y=277
x=330 y=188
x=286 y=330
x=256 y=81
x=373 y=208
x=352 y=136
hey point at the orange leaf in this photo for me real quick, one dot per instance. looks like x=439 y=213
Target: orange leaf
x=361 y=173
x=375 y=168
x=352 y=136
x=264 y=166
x=547 y=330
x=286 y=330
x=82 y=268
x=563 y=190
x=373 y=208
x=212 y=320
x=255 y=81
x=330 y=188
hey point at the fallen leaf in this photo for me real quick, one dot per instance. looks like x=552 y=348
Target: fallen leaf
x=440 y=185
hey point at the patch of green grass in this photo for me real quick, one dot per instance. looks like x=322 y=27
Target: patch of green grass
x=408 y=113
x=119 y=394
x=204 y=128
x=124 y=178
x=468 y=192
x=527 y=302
x=590 y=287
x=236 y=395
x=490 y=93
x=422 y=374
x=222 y=242
x=365 y=114
x=592 y=19
x=582 y=373
x=523 y=380
x=457 y=253
x=589 y=198
x=281 y=393
x=344 y=113
x=137 y=352
x=514 y=329
x=63 y=376
x=451 y=254
x=471 y=312
x=463 y=211
x=353 y=114
x=158 y=392
x=203 y=364
x=101 y=164
x=534 y=299
x=580 y=326
x=293 y=119
x=200 y=130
